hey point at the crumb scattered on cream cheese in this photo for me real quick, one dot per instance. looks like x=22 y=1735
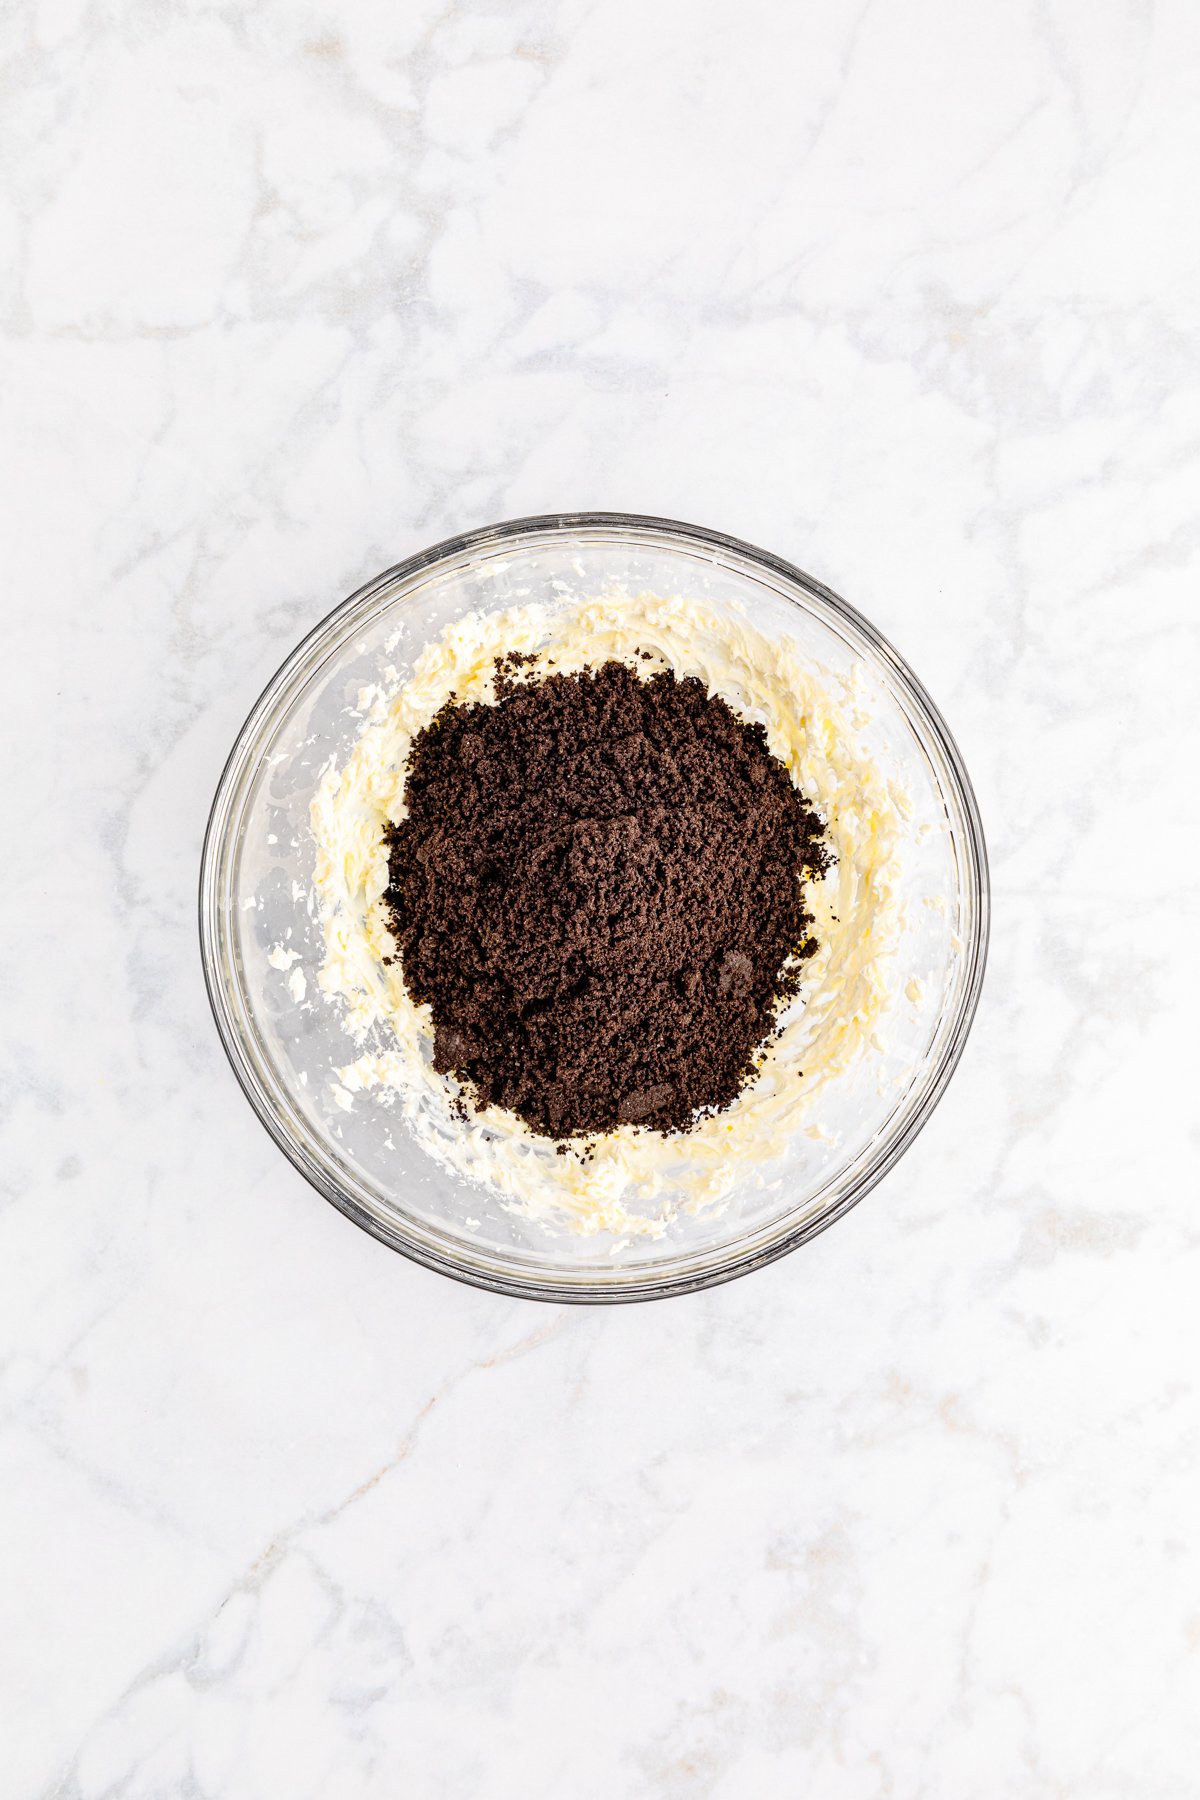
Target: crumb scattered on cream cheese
x=632 y=1181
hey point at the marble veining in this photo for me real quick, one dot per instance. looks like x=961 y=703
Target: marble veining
x=907 y=293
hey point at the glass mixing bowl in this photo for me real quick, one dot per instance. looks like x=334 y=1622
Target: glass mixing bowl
x=255 y=890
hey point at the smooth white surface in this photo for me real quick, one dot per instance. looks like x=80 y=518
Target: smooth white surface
x=906 y=292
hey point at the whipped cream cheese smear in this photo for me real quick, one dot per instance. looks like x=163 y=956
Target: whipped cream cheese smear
x=631 y=1181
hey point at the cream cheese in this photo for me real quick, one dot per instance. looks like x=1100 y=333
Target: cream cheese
x=632 y=1180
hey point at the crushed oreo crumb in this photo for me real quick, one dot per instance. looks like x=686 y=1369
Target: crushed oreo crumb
x=598 y=891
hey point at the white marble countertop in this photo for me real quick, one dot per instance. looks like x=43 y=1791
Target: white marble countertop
x=905 y=292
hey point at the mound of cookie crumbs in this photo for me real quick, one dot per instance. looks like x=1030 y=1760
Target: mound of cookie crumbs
x=598 y=890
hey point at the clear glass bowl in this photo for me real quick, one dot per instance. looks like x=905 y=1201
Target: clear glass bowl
x=256 y=884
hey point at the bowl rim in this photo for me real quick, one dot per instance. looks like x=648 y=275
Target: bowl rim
x=735 y=1265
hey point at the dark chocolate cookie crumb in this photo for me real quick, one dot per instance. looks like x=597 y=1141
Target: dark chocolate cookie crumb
x=597 y=890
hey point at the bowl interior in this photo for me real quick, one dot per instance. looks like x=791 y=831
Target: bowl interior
x=285 y=1039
